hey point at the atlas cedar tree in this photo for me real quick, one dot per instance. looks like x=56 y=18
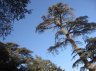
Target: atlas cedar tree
x=61 y=17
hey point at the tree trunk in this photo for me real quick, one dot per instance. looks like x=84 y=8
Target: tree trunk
x=90 y=66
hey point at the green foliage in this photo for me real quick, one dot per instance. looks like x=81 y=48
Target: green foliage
x=60 y=11
x=12 y=57
x=91 y=49
x=81 y=26
x=3 y=53
x=11 y=10
x=43 y=65
x=57 y=16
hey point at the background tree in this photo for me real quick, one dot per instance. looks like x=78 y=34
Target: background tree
x=13 y=58
x=11 y=10
x=60 y=17
x=43 y=65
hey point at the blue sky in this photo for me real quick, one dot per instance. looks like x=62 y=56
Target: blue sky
x=24 y=30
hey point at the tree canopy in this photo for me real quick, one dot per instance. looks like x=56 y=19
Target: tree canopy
x=11 y=10
x=12 y=57
x=43 y=65
x=61 y=16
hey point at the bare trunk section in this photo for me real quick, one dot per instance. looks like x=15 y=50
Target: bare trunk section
x=88 y=65
x=92 y=67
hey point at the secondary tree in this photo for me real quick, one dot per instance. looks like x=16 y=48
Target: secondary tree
x=61 y=17
x=10 y=11
x=13 y=58
x=40 y=64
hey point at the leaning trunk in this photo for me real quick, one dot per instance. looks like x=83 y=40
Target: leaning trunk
x=88 y=65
